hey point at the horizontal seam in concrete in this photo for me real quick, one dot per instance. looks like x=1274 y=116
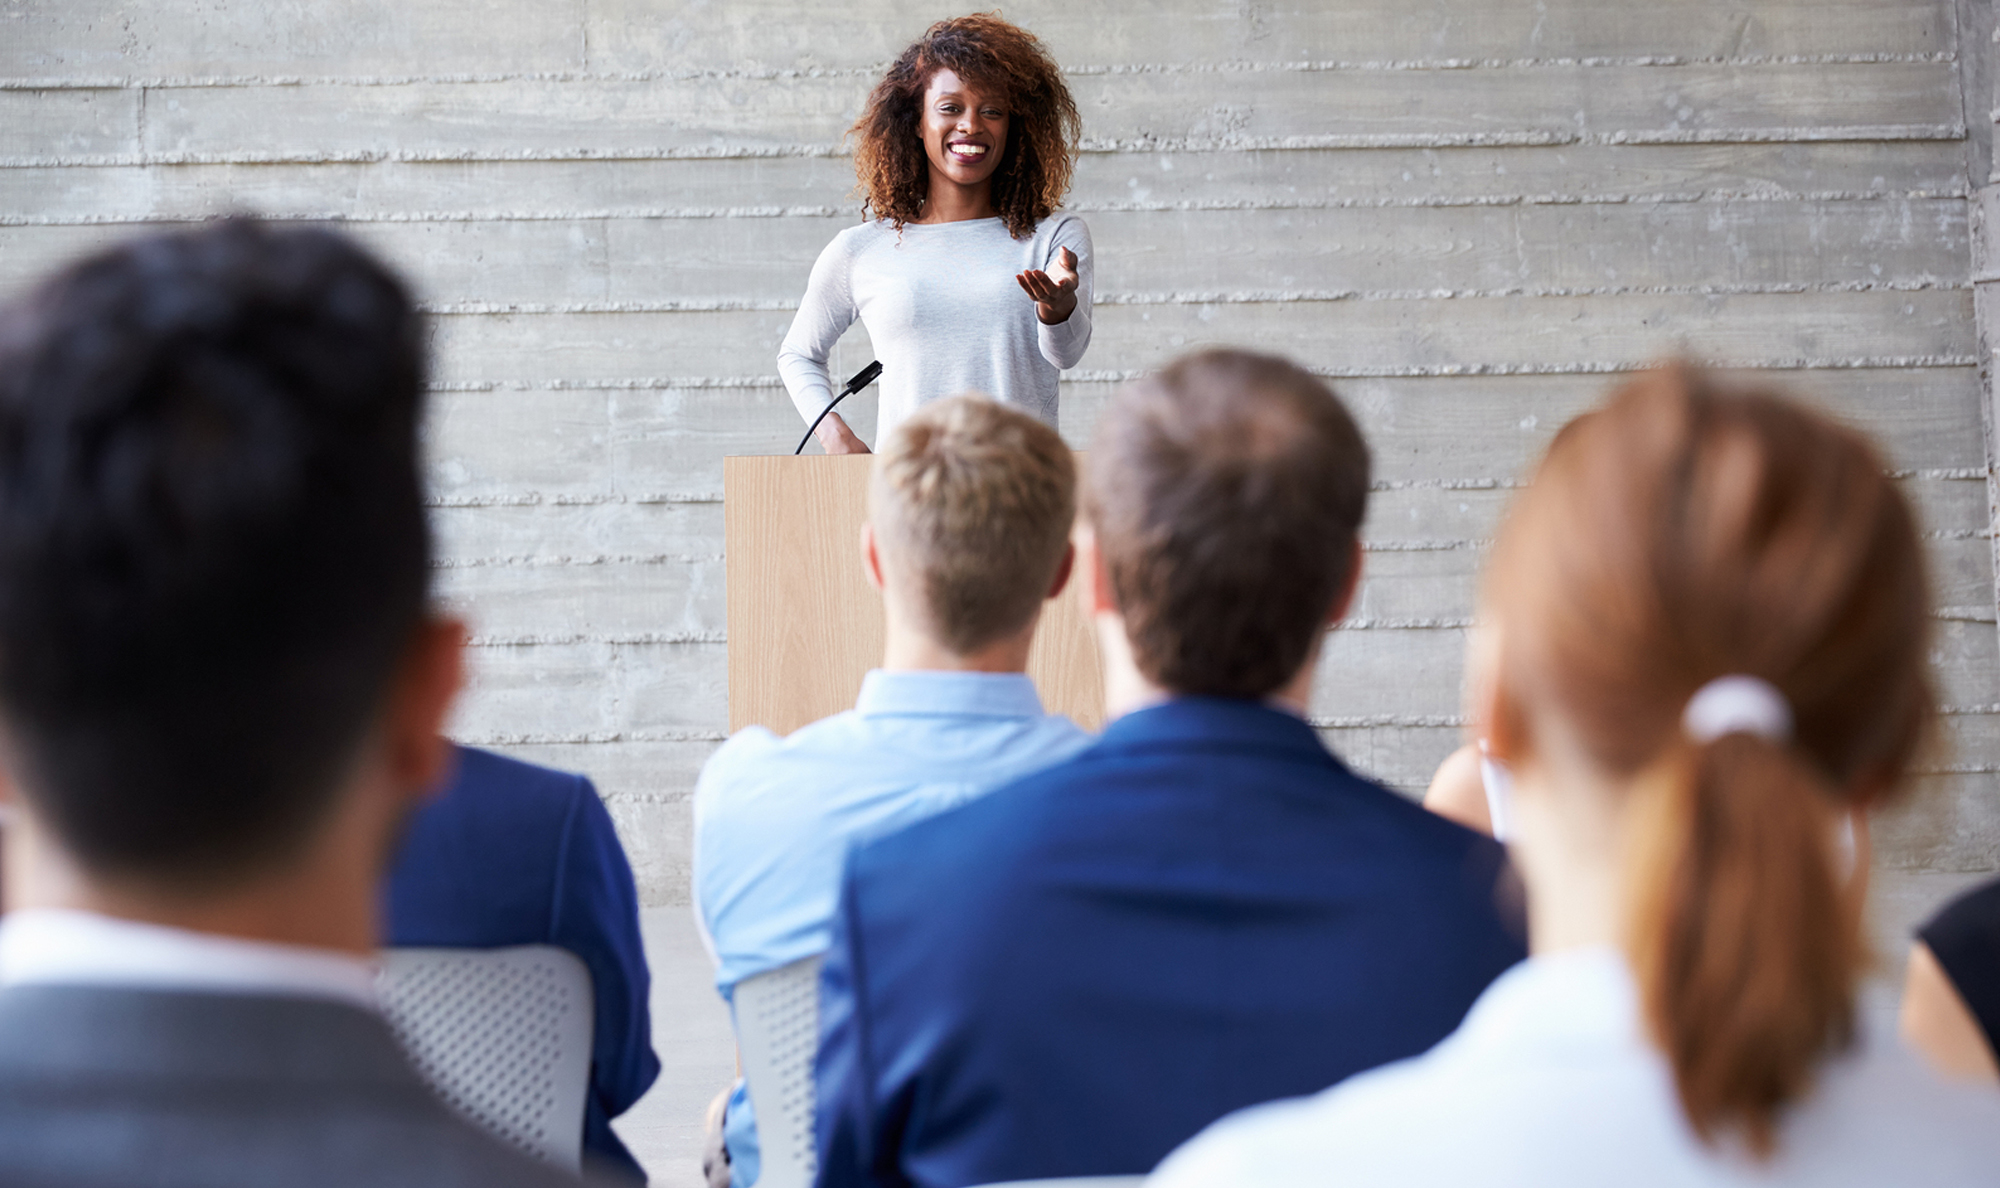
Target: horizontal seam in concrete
x=1377 y=721
x=1107 y=376
x=1189 y=206
x=1149 y=145
x=1526 y=138
x=1855 y=363
x=1344 y=722
x=1965 y=614
x=615 y=384
x=708 y=638
x=591 y=736
x=552 y=561
x=1226 y=297
x=588 y=560
x=602 y=498
x=581 y=499
x=695 y=383
x=1662 y=198
x=1949 y=474
x=1446 y=484
x=617 y=799
x=634 y=639
x=1422 y=546
x=784 y=74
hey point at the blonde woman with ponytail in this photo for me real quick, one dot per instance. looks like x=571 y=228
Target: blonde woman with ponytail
x=1707 y=663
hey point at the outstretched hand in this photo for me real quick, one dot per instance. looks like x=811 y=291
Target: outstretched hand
x=1054 y=291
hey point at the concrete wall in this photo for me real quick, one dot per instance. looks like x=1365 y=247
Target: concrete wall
x=1472 y=216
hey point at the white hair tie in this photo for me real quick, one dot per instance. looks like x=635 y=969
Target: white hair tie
x=1729 y=704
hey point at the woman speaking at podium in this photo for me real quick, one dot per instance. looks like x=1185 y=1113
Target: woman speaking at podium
x=967 y=278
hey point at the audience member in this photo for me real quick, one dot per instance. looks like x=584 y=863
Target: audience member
x=1951 y=994
x=515 y=854
x=970 y=510
x=221 y=694
x=1711 y=623
x=1204 y=910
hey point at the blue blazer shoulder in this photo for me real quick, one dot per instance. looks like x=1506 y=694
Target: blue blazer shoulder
x=1072 y=975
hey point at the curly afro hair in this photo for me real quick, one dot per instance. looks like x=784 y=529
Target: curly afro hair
x=995 y=56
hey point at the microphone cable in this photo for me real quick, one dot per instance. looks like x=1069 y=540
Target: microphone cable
x=862 y=379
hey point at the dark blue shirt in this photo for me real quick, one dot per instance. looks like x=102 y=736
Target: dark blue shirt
x=514 y=854
x=1074 y=974
x=1965 y=939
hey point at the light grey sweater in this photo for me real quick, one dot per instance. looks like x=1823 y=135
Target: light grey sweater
x=944 y=313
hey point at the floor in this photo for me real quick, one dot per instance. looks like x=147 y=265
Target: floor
x=697 y=1054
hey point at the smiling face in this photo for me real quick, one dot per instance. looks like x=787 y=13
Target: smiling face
x=964 y=131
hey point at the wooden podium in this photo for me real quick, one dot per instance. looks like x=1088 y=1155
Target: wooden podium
x=805 y=625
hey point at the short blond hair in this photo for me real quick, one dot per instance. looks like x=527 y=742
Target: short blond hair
x=974 y=501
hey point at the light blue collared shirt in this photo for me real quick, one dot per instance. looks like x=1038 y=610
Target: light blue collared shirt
x=773 y=817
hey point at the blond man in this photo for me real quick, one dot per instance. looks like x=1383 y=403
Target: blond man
x=969 y=515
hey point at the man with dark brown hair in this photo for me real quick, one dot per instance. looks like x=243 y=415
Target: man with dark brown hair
x=1206 y=909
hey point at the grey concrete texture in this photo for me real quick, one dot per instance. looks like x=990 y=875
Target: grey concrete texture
x=1472 y=217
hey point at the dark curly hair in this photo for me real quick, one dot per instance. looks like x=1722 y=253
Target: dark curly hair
x=998 y=57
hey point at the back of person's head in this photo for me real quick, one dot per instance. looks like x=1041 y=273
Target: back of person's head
x=1225 y=493
x=973 y=501
x=212 y=542
x=1680 y=534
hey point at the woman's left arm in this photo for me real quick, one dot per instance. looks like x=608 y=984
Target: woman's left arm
x=1067 y=275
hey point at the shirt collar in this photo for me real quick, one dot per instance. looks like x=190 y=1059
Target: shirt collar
x=1218 y=721
x=956 y=694
x=52 y=945
x=1583 y=996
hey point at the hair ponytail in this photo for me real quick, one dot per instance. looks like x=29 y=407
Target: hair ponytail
x=1682 y=540
x=1745 y=940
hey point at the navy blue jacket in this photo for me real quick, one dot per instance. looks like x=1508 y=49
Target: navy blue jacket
x=514 y=854
x=1074 y=974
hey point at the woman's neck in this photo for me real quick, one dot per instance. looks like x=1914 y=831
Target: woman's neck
x=949 y=202
x=1569 y=844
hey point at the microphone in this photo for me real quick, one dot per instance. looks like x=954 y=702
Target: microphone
x=862 y=379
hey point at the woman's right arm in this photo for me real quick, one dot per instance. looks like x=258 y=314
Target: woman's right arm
x=824 y=315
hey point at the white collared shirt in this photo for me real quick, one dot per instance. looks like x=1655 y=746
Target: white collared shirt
x=69 y=947
x=1551 y=1082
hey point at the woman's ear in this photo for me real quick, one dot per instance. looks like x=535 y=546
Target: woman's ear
x=1496 y=719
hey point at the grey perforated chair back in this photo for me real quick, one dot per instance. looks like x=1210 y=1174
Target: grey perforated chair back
x=1075 y=1182
x=777 y=1035
x=503 y=1035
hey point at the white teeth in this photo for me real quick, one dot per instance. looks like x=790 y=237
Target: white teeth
x=969 y=150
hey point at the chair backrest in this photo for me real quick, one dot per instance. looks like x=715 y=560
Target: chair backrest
x=503 y=1035
x=1074 y=1182
x=777 y=1035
